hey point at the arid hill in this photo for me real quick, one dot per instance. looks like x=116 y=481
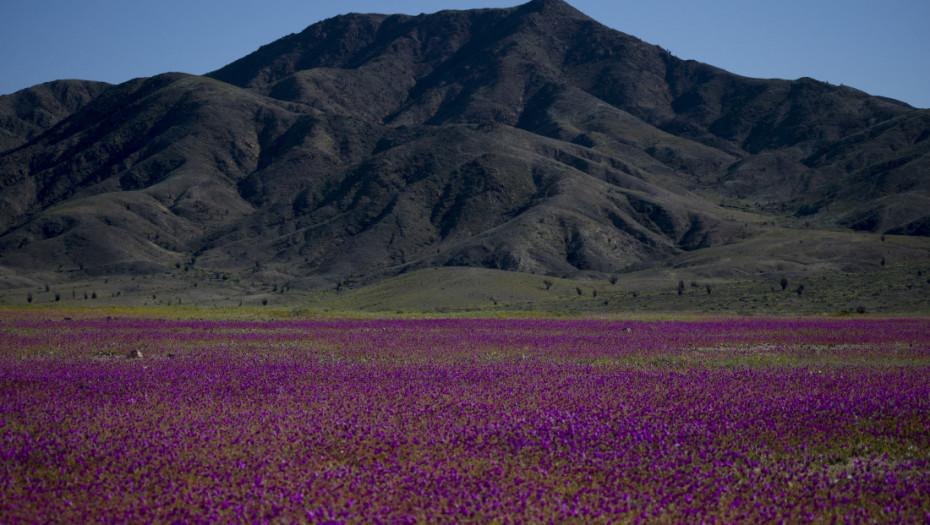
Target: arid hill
x=531 y=139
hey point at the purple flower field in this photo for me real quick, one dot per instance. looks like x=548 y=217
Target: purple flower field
x=463 y=420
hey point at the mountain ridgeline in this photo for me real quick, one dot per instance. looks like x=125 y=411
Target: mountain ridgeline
x=530 y=139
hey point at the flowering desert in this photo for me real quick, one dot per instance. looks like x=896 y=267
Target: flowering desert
x=724 y=420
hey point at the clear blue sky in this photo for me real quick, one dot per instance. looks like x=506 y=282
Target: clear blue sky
x=881 y=47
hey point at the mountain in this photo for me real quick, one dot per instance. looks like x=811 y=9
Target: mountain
x=31 y=112
x=531 y=139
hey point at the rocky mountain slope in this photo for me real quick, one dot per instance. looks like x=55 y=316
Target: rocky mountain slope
x=531 y=139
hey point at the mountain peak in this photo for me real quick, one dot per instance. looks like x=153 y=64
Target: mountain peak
x=552 y=7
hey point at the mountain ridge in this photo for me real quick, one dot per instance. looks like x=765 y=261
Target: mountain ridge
x=530 y=138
